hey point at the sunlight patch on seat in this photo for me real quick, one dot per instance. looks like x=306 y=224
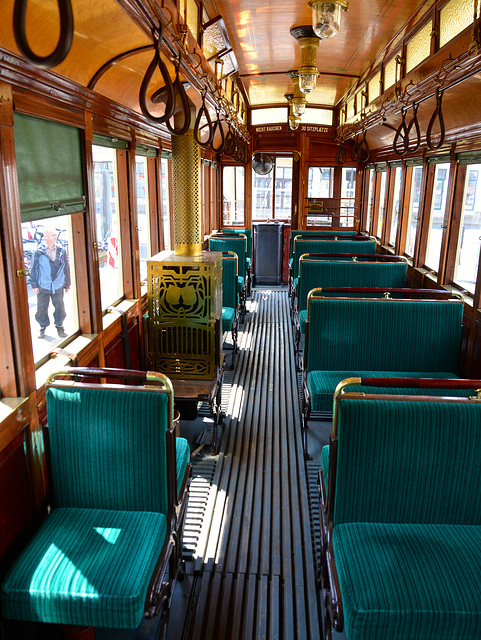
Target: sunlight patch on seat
x=58 y=574
x=108 y=533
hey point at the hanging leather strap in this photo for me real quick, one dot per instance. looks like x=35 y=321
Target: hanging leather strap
x=203 y=112
x=180 y=91
x=341 y=156
x=64 y=41
x=400 y=144
x=170 y=102
x=437 y=115
x=414 y=123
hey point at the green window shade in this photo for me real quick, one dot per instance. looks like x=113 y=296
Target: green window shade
x=109 y=141
x=146 y=152
x=49 y=168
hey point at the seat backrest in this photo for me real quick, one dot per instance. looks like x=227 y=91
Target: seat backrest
x=330 y=246
x=229 y=279
x=318 y=273
x=305 y=233
x=406 y=460
x=372 y=335
x=229 y=243
x=108 y=447
x=248 y=235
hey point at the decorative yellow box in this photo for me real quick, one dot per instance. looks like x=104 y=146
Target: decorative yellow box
x=185 y=314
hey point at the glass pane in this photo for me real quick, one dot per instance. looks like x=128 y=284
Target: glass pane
x=348 y=193
x=269 y=116
x=372 y=173
x=320 y=182
x=193 y=18
x=165 y=204
x=350 y=108
x=142 y=213
x=382 y=198
x=413 y=218
x=283 y=193
x=262 y=196
x=107 y=212
x=455 y=16
x=374 y=87
x=52 y=300
x=469 y=241
x=419 y=47
x=436 y=219
x=233 y=195
x=395 y=205
x=390 y=71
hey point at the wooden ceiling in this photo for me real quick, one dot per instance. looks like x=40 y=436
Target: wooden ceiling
x=259 y=31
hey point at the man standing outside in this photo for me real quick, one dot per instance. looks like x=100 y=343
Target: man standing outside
x=50 y=278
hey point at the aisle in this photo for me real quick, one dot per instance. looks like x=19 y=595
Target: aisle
x=253 y=569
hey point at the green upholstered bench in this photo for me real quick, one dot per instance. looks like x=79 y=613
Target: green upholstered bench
x=368 y=336
x=238 y=244
x=326 y=273
x=307 y=233
x=109 y=551
x=248 y=234
x=401 y=518
x=301 y=246
x=230 y=298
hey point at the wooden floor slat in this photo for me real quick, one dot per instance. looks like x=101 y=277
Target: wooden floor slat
x=257 y=570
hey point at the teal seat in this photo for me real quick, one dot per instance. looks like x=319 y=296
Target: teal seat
x=405 y=517
x=230 y=298
x=119 y=484
x=325 y=273
x=239 y=246
x=322 y=384
x=87 y=567
x=306 y=233
x=345 y=337
x=416 y=581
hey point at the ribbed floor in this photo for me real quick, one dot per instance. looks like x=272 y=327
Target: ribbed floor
x=255 y=566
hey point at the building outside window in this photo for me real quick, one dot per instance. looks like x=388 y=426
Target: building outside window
x=143 y=219
x=233 y=196
x=436 y=218
x=413 y=214
x=469 y=241
x=108 y=226
x=165 y=216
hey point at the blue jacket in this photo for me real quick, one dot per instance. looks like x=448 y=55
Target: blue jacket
x=42 y=276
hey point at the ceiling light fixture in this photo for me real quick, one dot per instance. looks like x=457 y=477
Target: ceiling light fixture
x=326 y=17
x=298 y=101
x=292 y=120
x=308 y=44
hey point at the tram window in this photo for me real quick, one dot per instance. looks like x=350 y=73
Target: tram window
x=382 y=202
x=233 y=195
x=143 y=221
x=164 y=164
x=348 y=193
x=436 y=218
x=52 y=301
x=320 y=182
x=396 y=203
x=272 y=193
x=370 y=193
x=108 y=226
x=469 y=241
x=283 y=189
x=454 y=17
x=413 y=214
